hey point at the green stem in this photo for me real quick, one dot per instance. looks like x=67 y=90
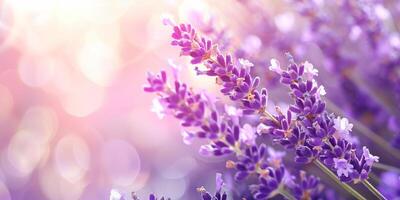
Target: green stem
x=374 y=177
x=336 y=179
x=286 y=194
x=373 y=190
x=367 y=132
x=386 y=167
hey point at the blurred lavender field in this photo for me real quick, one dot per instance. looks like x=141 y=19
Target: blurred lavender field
x=76 y=124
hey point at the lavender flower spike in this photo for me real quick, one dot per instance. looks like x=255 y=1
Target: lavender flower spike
x=224 y=133
x=311 y=133
x=314 y=133
x=236 y=81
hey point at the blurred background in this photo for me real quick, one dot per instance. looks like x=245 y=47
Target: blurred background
x=74 y=120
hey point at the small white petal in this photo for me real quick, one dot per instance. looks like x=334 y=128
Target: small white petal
x=309 y=70
x=187 y=137
x=247 y=135
x=115 y=195
x=158 y=108
x=174 y=65
x=246 y=63
x=275 y=66
x=369 y=158
x=321 y=90
x=233 y=111
x=205 y=150
x=262 y=128
x=342 y=126
x=219 y=182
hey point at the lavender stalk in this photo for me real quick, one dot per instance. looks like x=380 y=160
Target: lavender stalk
x=223 y=133
x=373 y=190
x=312 y=134
x=334 y=177
x=368 y=133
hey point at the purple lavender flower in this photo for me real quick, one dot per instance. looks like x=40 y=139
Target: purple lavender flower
x=311 y=133
x=224 y=134
x=153 y=197
x=314 y=133
x=255 y=160
x=306 y=187
x=236 y=81
x=361 y=17
x=342 y=166
x=187 y=106
x=198 y=48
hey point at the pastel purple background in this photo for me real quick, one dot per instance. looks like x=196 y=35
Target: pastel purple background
x=74 y=121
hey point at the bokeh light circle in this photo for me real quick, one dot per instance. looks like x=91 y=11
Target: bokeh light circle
x=35 y=72
x=121 y=162
x=25 y=152
x=72 y=158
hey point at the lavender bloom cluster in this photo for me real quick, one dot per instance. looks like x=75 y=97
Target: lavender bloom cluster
x=360 y=18
x=313 y=133
x=306 y=187
x=332 y=25
x=236 y=82
x=306 y=129
x=224 y=135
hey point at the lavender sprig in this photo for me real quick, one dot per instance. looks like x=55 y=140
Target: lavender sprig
x=236 y=81
x=223 y=133
x=313 y=130
x=317 y=134
x=364 y=19
x=311 y=134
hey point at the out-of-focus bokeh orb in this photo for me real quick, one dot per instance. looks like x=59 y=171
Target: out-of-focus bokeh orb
x=121 y=162
x=72 y=158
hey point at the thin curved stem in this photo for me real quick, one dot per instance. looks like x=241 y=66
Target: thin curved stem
x=286 y=194
x=374 y=177
x=373 y=190
x=345 y=186
x=367 y=132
